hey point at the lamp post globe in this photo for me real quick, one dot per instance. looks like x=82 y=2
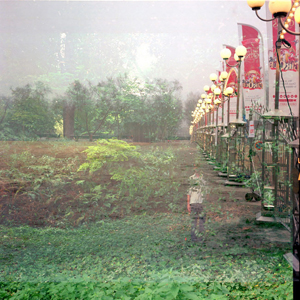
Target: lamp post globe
x=229 y=91
x=224 y=75
x=280 y=8
x=256 y=4
x=217 y=91
x=297 y=15
x=241 y=51
x=225 y=53
x=238 y=58
x=206 y=88
x=213 y=77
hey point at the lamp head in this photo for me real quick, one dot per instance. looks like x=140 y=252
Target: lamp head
x=217 y=101
x=213 y=87
x=229 y=91
x=213 y=77
x=200 y=101
x=280 y=8
x=217 y=91
x=224 y=75
x=206 y=88
x=256 y=4
x=225 y=53
x=238 y=58
x=203 y=96
x=297 y=15
x=240 y=51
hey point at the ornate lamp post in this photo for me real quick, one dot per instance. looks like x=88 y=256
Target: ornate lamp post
x=279 y=10
x=228 y=92
x=224 y=154
x=235 y=141
x=219 y=91
x=239 y=56
x=209 y=127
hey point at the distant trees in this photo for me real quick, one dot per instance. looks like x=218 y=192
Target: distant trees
x=27 y=113
x=124 y=106
x=120 y=106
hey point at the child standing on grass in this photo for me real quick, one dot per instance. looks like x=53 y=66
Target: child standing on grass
x=195 y=197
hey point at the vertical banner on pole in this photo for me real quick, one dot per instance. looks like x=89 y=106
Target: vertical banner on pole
x=289 y=63
x=231 y=81
x=253 y=87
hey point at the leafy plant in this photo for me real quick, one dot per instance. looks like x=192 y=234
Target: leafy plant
x=268 y=197
x=255 y=182
x=108 y=152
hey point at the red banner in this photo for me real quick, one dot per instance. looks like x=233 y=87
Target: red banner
x=288 y=56
x=289 y=61
x=232 y=79
x=231 y=82
x=252 y=74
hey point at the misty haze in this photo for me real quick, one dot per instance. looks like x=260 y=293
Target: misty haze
x=131 y=165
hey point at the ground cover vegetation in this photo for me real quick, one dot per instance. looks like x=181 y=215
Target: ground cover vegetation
x=115 y=107
x=108 y=220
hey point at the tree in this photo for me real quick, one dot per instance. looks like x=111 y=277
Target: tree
x=6 y=133
x=5 y=103
x=97 y=107
x=31 y=114
x=166 y=108
x=154 y=109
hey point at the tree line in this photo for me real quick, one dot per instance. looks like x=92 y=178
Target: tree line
x=120 y=107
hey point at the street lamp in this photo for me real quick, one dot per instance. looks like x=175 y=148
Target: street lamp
x=239 y=55
x=228 y=92
x=280 y=9
x=220 y=86
x=207 y=100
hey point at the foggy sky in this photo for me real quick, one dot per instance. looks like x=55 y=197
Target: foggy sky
x=148 y=39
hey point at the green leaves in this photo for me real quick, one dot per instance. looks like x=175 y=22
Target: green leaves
x=30 y=114
x=146 y=290
x=108 y=152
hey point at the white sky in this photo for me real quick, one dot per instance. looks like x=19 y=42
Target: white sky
x=169 y=39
